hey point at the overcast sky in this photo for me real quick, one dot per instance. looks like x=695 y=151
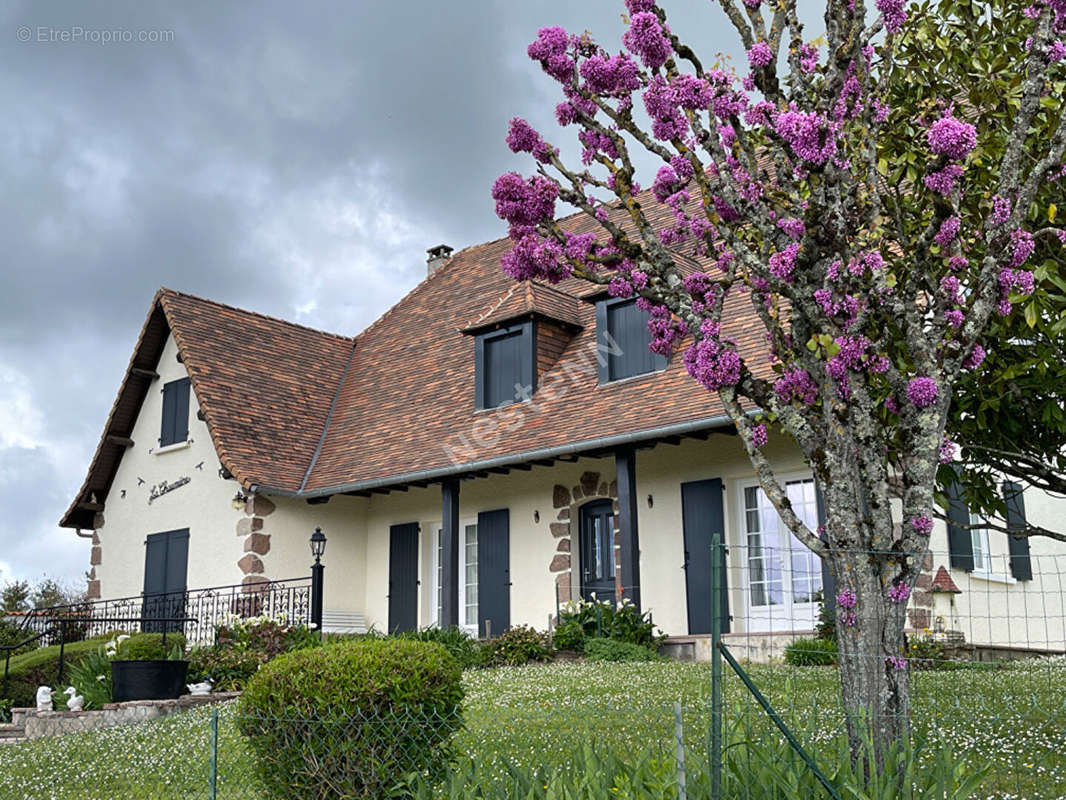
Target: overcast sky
x=289 y=161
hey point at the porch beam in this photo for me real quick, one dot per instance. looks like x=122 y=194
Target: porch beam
x=449 y=603
x=626 y=464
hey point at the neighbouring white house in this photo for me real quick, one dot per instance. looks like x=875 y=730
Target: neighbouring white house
x=483 y=452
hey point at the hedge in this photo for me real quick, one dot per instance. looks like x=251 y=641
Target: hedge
x=40 y=667
x=351 y=719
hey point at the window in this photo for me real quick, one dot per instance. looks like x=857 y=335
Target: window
x=623 y=339
x=467 y=590
x=784 y=576
x=982 y=558
x=175 y=426
x=504 y=365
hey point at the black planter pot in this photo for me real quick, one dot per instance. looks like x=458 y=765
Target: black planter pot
x=147 y=680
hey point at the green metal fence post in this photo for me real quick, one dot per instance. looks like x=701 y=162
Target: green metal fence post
x=212 y=770
x=716 y=666
x=679 y=743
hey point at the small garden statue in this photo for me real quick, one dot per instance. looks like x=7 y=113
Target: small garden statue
x=44 y=698
x=200 y=689
x=75 y=702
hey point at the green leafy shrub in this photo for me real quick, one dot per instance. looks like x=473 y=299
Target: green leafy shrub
x=351 y=719
x=265 y=635
x=924 y=653
x=811 y=653
x=614 y=650
x=41 y=667
x=228 y=668
x=91 y=676
x=151 y=647
x=827 y=622
x=11 y=634
x=569 y=636
x=622 y=622
x=5 y=710
x=465 y=649
x=518 y=645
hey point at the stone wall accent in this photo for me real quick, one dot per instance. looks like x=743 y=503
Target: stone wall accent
x=566 y=500
x=96 y=558
x=40 y=724
x=920 y=612
x=256 y=542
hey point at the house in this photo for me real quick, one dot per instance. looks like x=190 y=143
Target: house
x=482 y=453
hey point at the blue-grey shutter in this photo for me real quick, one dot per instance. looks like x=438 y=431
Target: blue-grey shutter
x=628 y=326
x=175 y=422
x=960 y=539
x=504 y=359
x=479 y=372
x=176 y=577
x=829 y=584
x=1021 y=566
x=494 y=571
x=703 y=515
x=602 y=348
x=166 y=560
x=403 y=577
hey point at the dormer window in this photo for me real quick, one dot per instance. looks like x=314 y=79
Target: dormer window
x=505 y=371
x=623 y=338
x=175 y=427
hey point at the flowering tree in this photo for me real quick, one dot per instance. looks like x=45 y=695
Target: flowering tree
x=877 y=241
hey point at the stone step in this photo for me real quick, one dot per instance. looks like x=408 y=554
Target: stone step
x=11 y=732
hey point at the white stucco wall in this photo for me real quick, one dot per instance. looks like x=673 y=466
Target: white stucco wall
x=203 y=505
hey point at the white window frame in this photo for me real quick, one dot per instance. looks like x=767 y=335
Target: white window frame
x=980 y=539
x=789 y=615
x=436 y=528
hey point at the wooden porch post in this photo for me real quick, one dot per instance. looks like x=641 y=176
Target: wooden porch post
x=449 y=604
x=626 y=463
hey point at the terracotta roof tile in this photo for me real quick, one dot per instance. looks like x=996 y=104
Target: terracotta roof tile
x=942 y=582
x=529 y=298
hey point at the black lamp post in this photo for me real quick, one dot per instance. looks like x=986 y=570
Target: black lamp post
x=318 y=547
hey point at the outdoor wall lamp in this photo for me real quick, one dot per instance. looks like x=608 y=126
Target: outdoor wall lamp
x=318 y=544
x=239 y=500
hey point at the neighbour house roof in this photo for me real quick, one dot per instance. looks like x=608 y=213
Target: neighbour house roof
x=942 y=582
x=296 y=411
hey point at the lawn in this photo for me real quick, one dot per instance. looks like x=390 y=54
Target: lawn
x=1012 y=719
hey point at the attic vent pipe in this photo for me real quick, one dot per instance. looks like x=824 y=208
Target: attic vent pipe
x=438 y=257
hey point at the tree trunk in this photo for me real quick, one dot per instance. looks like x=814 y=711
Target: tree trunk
x=874 y=676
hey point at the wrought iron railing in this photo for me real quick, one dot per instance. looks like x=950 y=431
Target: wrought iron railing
x=202 y=608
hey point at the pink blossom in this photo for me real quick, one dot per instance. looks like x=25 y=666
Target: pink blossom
x=922 y=392
x=550 y=50
x=760 y=55
x=893 y=13
x=949 y=229
x=846 y=598
x=759 y=436
x=951 y=137
x=524 y=203
x=796 y=385
x=975 y=357
x=808 y=58
x=646 y=38
x=523 y=138
x=810 y=135
x=1001 y=208
x=943 y=182
x=896 y=662
x=922 y=524
x=899 y=592
x=947 y=451
x=783 y=263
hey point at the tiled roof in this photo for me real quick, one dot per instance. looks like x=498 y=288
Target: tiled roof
x=942 y=582
x=265 y=387
x=527 y=298
x=293 y=410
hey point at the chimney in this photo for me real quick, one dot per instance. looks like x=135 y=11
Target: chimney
x=438 y=257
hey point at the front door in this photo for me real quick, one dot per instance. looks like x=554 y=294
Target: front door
x=783 y=576
x=597 y=550
x=702 y=516
x=166 y=564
